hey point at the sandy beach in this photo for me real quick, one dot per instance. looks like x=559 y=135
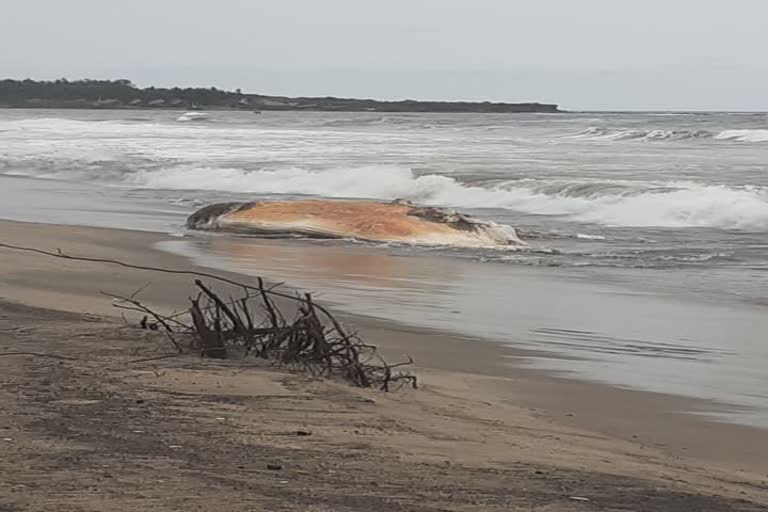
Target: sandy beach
x=92 y=431
x=384 y=257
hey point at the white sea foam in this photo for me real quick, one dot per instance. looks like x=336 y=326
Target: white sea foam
x=257 y=160
x=689 y=205
x=616 y=203
x=650 y=135
x=192 y=116
x=743 y=135
x=606 y=134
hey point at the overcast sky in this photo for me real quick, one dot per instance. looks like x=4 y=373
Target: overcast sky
x=582 y=54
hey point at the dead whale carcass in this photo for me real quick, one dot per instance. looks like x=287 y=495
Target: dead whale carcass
x=381 y=222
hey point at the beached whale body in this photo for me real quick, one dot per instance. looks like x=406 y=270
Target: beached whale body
x=381 y=222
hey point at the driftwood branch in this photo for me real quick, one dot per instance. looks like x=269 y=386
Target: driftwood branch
x=254 y=324
x=135 y=305
x=314 y=342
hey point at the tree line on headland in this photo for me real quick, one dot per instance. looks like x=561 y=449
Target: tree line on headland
x=110 y=94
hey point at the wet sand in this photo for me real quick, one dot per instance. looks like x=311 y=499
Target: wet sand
x=481 y=403
x=617 y=327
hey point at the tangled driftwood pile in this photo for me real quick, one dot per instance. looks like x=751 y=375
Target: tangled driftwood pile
x=254 y=324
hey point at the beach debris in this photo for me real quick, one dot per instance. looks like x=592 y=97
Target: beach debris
x=397 y=221
x=255 y=324
x=274 y=467
x=579 y=498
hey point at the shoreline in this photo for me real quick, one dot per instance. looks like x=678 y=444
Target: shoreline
x=555 y=316
x=214 y=108
x=646 y=421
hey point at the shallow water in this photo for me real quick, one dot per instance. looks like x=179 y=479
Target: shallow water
x=648 y=257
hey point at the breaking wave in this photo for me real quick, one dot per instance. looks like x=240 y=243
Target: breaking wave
x=606 y=202
x=605 y=134
x=193 y=117
x=264 y=159
x=743 y=135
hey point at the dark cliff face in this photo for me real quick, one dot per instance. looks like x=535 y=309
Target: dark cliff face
x=110 y=94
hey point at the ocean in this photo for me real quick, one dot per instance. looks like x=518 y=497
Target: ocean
x=647 y=263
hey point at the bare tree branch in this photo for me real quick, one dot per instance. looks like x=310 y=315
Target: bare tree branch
x=222 y=329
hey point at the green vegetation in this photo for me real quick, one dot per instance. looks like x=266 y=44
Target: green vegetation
x=29 y=93
x=124 y=94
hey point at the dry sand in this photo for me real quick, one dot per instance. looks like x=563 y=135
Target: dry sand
x=98 y=432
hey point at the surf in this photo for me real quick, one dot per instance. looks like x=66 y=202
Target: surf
x=629 y=203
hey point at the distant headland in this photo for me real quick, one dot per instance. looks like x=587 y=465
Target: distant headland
x=123 y=94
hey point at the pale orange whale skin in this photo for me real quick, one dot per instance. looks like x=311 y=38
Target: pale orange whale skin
x=382 y=222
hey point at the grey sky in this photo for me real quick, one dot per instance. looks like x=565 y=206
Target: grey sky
x=582 y=54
